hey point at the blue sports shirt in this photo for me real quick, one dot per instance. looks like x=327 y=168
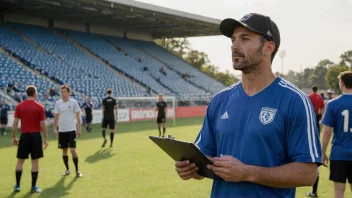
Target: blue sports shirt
x=338 y=115
x=271 y=128
x=4 y=110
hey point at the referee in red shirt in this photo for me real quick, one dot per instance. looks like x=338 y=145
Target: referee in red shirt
x=318 y=104
x=32 y=116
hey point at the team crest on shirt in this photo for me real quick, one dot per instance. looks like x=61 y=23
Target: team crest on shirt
x=267 y=115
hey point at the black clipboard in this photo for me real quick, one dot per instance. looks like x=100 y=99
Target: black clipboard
x=181 y=150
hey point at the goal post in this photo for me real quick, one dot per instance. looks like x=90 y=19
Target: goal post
x=143 y=108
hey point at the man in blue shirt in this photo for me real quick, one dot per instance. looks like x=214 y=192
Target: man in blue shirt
x=338 y=116
x=260 y=133
x=3 y=116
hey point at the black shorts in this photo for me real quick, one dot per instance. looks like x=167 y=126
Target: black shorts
x=111 y=124
x=89 y=118
x=161 y=120
x=3 y=120
x=30 y=143
x=67 y=139
x=340 y=171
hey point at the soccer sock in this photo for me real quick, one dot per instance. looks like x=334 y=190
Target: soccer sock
x=159 y=131
x=103 y=132
x=3 y=130
x=111 y=137
x=75 y=161
x=65 y=158
x=164 y=130
x=315 y=186
x=18 y=177
x=34 y=178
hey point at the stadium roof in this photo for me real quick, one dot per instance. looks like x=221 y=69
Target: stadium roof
x=123 y=14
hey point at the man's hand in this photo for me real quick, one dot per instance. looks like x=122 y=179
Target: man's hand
x=78 y=133
x=45 y=143
x=325 y=159
x=14 y=142
x=229 y=168
x=186 y=170
x=55 y=133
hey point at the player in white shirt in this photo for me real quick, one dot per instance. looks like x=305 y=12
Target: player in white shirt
x=66 y=112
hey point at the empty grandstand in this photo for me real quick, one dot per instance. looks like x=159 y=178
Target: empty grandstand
x=108 y=45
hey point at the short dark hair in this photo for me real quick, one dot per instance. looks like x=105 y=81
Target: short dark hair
x=315 y=88
x=109 y=91
x=263 y=40
x=65 y=87
x=31 y=90
x=346 y=78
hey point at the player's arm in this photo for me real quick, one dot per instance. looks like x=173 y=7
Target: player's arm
x=56 y=119
x=78 y=118
x=115 y=109
x=43 y=127
x=14 y=130
x=328 y=122
x=205 y=141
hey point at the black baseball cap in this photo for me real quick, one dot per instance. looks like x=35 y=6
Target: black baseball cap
x=255 y=22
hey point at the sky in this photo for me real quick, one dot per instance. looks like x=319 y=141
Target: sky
x=310 y=30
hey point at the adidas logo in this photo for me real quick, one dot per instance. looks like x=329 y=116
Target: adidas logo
x=224 y=116
x=269 y=33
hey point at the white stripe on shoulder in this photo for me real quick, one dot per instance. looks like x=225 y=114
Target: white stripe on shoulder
x=197 y=142
x=229 y=88
x=308 y=114
x=313 y=119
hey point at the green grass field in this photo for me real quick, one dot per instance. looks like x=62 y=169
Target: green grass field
x=135 y=167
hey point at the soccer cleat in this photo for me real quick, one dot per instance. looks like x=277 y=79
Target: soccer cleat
x=311 y=194
x=78 y=174
x=4 y=133
x=35 y=189
x=17 y=188
x=67 y=172
x=104 y=143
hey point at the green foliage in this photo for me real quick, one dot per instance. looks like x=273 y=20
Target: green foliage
x=331 y=77
x=181 y=48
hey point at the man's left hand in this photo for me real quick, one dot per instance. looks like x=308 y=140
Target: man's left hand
x=229 y=168
x=78 y=133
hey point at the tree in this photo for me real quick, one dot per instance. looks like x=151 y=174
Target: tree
x=346 y=59
x=178 y=46
x=331 y=77
x=197 y=59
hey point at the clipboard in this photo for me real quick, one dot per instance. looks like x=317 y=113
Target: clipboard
x=182 y=150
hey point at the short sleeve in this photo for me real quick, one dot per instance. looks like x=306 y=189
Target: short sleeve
x=17 y=112
x=328 y=119
x=302 y=136
x=56 y=108
x=77 y=108
x=42 y=114
x=205 y=140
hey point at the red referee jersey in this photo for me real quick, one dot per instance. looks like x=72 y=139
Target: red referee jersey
x=30 y=113
x=317 y=101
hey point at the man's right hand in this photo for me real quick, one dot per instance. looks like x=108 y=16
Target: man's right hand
x=186 y=170
x=55 y=133
x=14 y=142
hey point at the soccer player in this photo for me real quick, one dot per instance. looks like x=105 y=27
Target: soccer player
x=32 y=117
x=66 y=111
x=4 y=113
x=260 y=133
x=87 y=108
x=319 y=105
x=161 y=118
x=338 y=116
x=109 y=106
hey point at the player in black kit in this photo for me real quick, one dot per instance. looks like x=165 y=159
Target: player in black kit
x=161 y=118
x=108 y=108
x=88 y=109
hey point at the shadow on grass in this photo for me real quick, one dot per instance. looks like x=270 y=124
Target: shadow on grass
x=126 y=127
x=99 y=155
x=59 y=190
